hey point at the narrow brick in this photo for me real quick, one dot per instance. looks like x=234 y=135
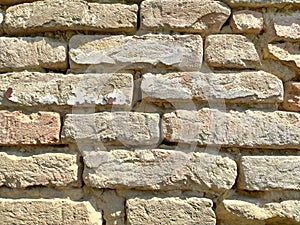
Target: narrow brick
x=231 y=51
x=54 y=169
x=159 y=170
x=206 y=87
x=35 y=128
x=292 y=96
x=247 y=21
x=36 y=89
x=241 y=129
x=190 y=16
x=237 y=212
x=44 y=53
x=116 y=128
x=53 y=15
x=148 y=52
x=269 y=173
x=44 y=211
x=260 y=3
x=170 y=211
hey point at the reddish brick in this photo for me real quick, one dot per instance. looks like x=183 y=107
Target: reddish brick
x=292 y=96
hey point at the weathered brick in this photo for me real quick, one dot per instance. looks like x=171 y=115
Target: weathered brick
x=261 y=3
x=115 y=53
x=33 y=89
x=230 y=51
x=241 y=129
x=117 y=128
x=285 y=52
x=35 y=128
x=286 y=26
x=54 y=169
x=269 y=173
x=210 y=87
x=247 y=21
x=50 y=212
x=53 y=15
x=292 y=96
x=237 y=212
x=189 y=16
x=44 y=53
x=159 y=170
x=170 y=211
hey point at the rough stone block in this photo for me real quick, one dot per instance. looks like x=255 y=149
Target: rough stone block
x=35 y=128
x=159 y=170
x=261 y=3
x=237 y=212
x=190 y=16
x=241 y=129
x=269 y=173
x=292 y=96
x=44 y=211
x=241 y=87
x=286 y=26
x=34 y=89
x=44 y=53
x=53 y=15
x=286 y=52
x=247 y=21
x=116 y=53
x=51 y=169
x=170 y=211
x=230 y=51
x=116 y=128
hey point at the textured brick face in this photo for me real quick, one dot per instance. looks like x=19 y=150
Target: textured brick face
x=35 y=128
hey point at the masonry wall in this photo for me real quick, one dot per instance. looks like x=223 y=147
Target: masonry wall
x=150 y=112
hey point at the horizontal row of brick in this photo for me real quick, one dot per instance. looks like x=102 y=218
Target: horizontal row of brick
x=100 y=54
x=191 y=17
x=157 y=169
x=204 y=127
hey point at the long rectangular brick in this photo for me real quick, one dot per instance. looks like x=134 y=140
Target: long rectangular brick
x=44 y=53
x=34 y=89
x=189 y=16
x=148 y=52
x=269 y=173
x=50 y=212
x=213 y=87
x=54 y=169
x=36 y=128
x=241 y=129
x=170 y=211
x=159 y=170
x=115 y=128
x=53 y=15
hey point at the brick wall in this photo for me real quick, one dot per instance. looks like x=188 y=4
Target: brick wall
x=150 y=112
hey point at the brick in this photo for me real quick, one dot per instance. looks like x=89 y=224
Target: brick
x=44 y=53
x=170 y=211
x=54 y=169
x=148 y=52
x=116 y=128
x=269 y=173
x=240 y=129
x=158 y=170
x=260 y=3
x=286 y=26
x=230 y=51
x=36 y=89
x=53 y=15
x=35 y=128
x=48 y=211
x=286 y=52
x=189 y=16
x=212 y=87
x=292 y=96
x=247 y=21
x=236 y=212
